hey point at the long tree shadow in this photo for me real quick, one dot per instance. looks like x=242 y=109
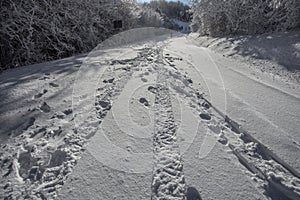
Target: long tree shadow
x=20 y=88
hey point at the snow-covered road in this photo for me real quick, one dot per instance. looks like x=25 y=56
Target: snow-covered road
x=162 y=119
x=265 y=107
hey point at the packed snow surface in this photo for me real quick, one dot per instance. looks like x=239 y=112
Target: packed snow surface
x=163 y=118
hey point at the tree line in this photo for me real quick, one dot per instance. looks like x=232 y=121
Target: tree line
x=171 y=9
x=223 y=17
x=35 y=31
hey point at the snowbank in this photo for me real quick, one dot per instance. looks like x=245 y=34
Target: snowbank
x=277 y=53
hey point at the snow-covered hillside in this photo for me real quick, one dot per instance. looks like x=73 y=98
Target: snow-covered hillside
x=162 y=118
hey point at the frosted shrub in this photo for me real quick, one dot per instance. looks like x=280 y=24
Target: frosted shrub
x=222 y=17
x=34 y=31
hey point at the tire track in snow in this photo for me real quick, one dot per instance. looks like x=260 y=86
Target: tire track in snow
x=43 y=182
x=168 y=178
x=111 y=89
x=26 y=173
x=76 y=142
x=279 y=179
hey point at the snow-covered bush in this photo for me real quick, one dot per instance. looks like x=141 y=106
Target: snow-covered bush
x=162 y=13
x=221 y=17
x=172 y=9
x=34 y=31
x=147 y=17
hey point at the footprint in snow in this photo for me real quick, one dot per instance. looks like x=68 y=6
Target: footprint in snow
x=29 y=123
x=68 y=111
x=223 y=140
x=39 y=95
x=109 y=80
x=58 y=116
x=214 y=128
x=205 y=116
x=53 y=84
x=39 y=131
x=152 y=89
x=144 y=80
x=103 y=104
x=144 y=101
x=45 y=107
x=26 y=162
x=189 y=80
x=57 y=158
x=205 y=105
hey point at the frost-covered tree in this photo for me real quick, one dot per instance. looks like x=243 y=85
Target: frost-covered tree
x=148 y=17
x=161 y=13
x=34 y=31
x=221 y=17
x=171 y=9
